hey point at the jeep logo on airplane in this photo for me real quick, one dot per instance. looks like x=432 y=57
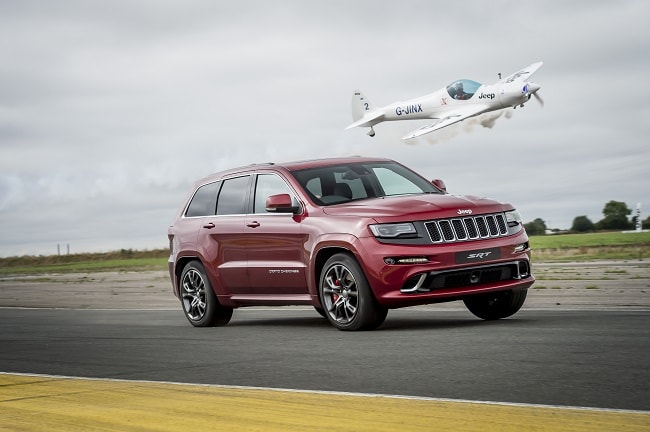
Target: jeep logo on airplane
x=486 y=96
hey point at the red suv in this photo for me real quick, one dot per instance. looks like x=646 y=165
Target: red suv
x=352 y=237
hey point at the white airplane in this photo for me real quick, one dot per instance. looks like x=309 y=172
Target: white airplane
x=458 y=101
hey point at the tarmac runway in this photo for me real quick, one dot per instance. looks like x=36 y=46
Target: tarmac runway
x=559 y=286
x=581 y=340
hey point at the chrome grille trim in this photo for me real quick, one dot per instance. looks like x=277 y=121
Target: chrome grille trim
x=467 y=228
x=462 y=277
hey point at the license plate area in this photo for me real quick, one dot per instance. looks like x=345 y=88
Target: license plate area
x=479 y=255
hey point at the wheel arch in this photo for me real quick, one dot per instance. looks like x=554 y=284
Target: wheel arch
x=321 y=258
x=178 y=270
x=345 y=293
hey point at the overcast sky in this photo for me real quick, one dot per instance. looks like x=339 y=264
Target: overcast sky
x=109 y=110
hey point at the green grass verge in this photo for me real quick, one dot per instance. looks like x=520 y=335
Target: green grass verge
x=136 y=264
x=120 y=261
x=561 y=241
x=590 y=247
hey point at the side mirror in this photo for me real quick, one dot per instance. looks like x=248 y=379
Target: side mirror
x=440 y=185
x=281 y=203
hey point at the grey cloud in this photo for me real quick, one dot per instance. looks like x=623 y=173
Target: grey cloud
x=110 y=110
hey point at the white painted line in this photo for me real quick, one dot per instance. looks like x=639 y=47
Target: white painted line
x=333 y=393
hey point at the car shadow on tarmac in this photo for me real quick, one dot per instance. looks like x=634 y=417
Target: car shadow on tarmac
x=396 y=323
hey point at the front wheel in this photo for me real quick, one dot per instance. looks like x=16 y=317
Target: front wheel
x=348 y=302
x=200 y=304
x=497 y=305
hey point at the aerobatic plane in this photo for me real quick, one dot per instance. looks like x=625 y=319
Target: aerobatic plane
x=458 y=101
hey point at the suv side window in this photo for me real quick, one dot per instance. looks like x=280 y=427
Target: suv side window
x=267 y=185
x=204 y=201
x=232 y=198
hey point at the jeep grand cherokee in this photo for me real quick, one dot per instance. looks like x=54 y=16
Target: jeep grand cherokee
x=352 y=237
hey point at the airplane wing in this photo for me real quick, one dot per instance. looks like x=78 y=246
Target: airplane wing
x=443 y=122
x=523 y=74
x=368 y=120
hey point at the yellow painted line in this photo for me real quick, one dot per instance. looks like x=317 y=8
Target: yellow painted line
x=46 y=403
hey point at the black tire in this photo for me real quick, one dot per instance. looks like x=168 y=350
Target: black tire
x=200 y=304
x=320 y=311
x=497 y=305
x=348 y=302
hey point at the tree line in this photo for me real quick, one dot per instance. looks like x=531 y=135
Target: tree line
x=616 y=217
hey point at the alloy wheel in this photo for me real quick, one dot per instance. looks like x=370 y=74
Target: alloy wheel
x=193 y=295
x=340 y=294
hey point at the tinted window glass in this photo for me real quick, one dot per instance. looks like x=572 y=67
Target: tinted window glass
x=204 y=200
x=340 y=183
x=394 y=183
x=314 y=187
x=232 y=198
x=267 y=185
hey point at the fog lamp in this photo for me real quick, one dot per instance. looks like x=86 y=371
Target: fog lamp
x=521 y=247
x=406 y=260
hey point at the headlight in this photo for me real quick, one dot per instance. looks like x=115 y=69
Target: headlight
x=405 y=229
x=513 y=218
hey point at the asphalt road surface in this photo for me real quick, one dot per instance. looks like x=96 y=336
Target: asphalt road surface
x=582 y=340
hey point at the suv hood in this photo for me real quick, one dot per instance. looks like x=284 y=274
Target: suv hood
x=417 y=207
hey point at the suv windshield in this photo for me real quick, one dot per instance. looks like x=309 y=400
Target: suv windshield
x=341 y=183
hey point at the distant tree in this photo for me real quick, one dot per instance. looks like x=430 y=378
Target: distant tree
x=616 y=214
x=536 y=227
x=645 y=223
x=582 y=224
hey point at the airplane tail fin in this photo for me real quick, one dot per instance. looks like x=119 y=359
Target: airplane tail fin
x=360 y=105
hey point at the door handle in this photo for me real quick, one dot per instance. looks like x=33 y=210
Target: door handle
x=208 y=225
x=253 y=224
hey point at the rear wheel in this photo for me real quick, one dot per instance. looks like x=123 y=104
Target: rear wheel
x=497 y=305
x=348 y=302
x=199 y=301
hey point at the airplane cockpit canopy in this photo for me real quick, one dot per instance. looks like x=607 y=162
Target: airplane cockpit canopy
x=462 y=89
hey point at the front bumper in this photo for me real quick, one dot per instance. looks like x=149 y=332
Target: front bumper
x=408 y=275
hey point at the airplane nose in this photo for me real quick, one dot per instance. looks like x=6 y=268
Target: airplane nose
x=531 y=88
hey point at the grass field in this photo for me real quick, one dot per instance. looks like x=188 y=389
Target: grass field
x=591 y=246
x=123 y=260
x=589 y=240
x=565 y=247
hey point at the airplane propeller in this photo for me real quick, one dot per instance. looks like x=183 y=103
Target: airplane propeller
x=531 y=89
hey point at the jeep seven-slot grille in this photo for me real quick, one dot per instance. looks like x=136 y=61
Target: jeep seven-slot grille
x=467 y=228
